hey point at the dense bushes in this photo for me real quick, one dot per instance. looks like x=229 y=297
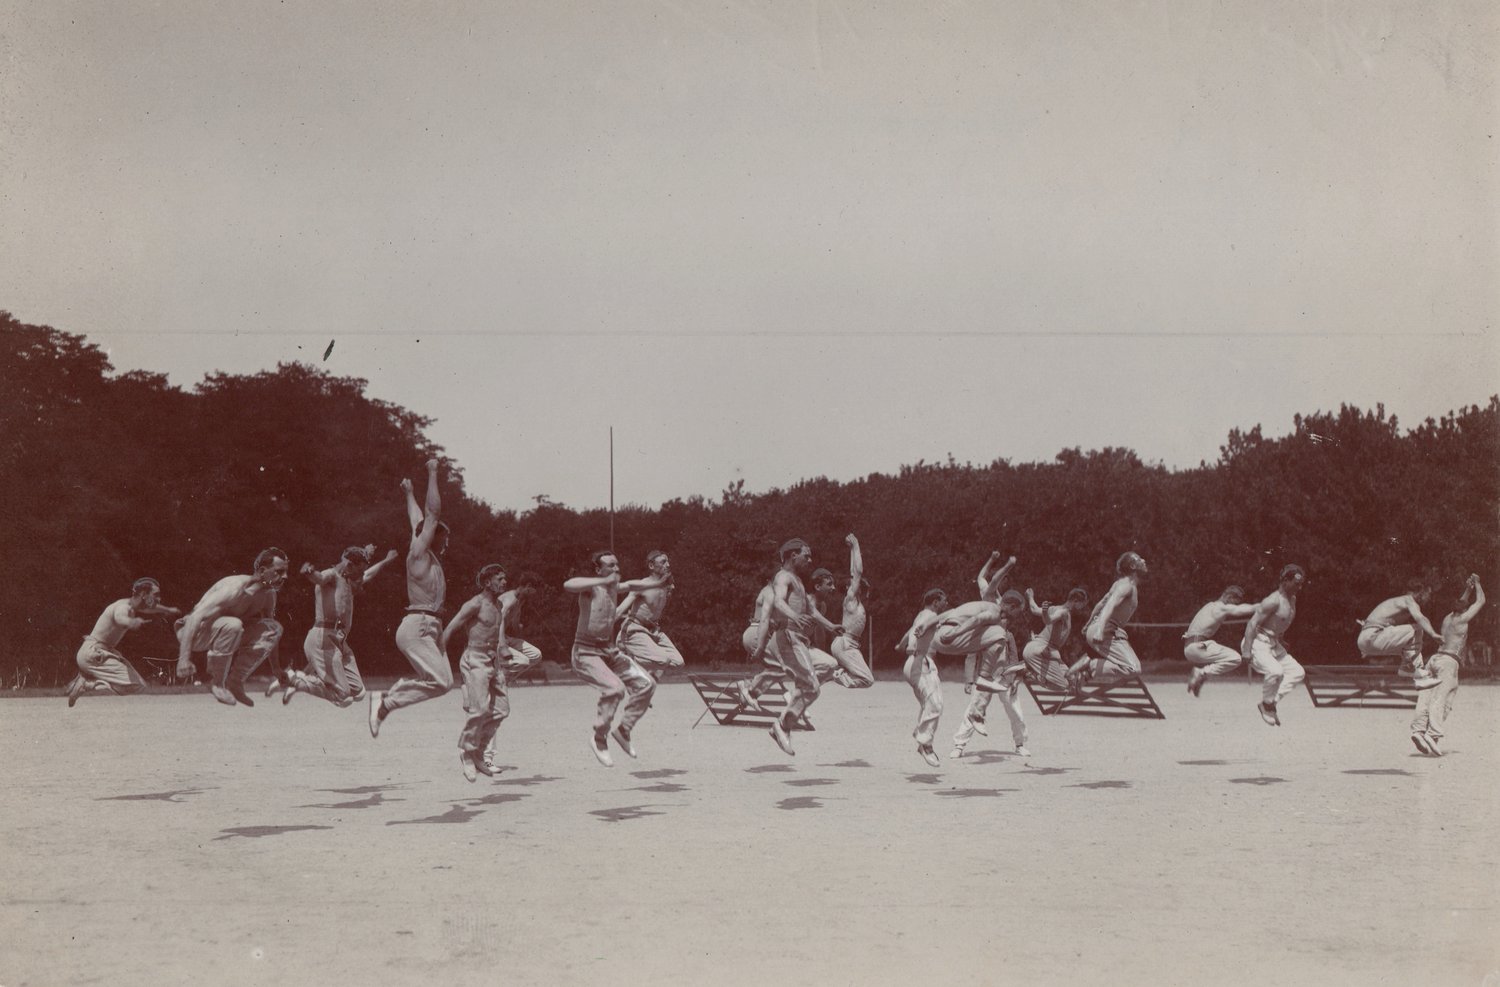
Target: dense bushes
x=107 y=477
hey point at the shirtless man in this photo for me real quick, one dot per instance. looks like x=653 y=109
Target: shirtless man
x=1043 y=653
x=1105 y=634
x=790 y=620
x=641 y=636
x=823 y=631
x=1434 y=705
x=420 y=631
x=514 y=603
x=760 y=646
x=997 y=673
x=101 y=667
x=1392 y=629
x=332 y=673
x=991 y=585
x=235 y=622
x=483 y=666
x=1208 y=656
x=853 y=671
x=1264 y=646
x=921 y=673
x=599 y=662
x=976 y=630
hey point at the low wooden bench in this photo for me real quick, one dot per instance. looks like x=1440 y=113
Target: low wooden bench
x=718 y=694
x=1122 y=697
x=1358 y=687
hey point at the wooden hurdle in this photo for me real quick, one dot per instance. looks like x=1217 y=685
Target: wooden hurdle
x=718 y=695
x=1121 y=697
x=1358 y=687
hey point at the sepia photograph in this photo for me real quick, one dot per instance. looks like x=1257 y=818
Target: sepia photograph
x=834 y=492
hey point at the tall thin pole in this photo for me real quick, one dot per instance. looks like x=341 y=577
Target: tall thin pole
x=611 y=488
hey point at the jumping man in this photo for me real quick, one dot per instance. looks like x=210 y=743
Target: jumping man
x=235 y=622
x=101 y=667
x=421 y=630
x=1264 y=646
x=599 y=662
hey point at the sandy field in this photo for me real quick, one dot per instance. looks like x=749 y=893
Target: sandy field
x=166 y=839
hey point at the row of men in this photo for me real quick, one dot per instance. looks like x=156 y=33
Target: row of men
x=999 y=648
x=621 y=648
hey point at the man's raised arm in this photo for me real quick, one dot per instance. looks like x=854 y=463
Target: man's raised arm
x=413 y=512
x=373 y=570
x=1468 y=614
x=856 y=572
x=315 y=576
x=645 y=582
x=991 y=590
x=421 y=541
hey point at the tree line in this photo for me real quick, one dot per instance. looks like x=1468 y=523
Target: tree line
x=105 y=477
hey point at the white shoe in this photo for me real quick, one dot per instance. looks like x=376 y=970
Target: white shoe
x=272 y=686
x=1420 y=741
x=929 y=755
x=979 y=727
x=779 y=734
x=600 y=747
x=955 y=753
x=466 y=761
x=376 y=698
x=1433 y=743
x=222 y=695
x=1021 y=751
x=291 y=690
x=622 y=737
x=743 y=695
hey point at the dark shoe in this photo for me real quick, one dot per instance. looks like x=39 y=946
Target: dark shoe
x=237 y=690
x=1420 y=742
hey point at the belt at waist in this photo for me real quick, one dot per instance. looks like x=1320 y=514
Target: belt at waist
x=107 y=647
x=326 y=625
x=424 y=613
x=1196 y=638
x=650 y=625
x=592 y=643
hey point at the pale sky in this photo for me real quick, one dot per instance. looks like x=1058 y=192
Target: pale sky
x=770 y=241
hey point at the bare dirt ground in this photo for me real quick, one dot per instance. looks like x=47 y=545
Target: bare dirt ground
x=168 y=840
